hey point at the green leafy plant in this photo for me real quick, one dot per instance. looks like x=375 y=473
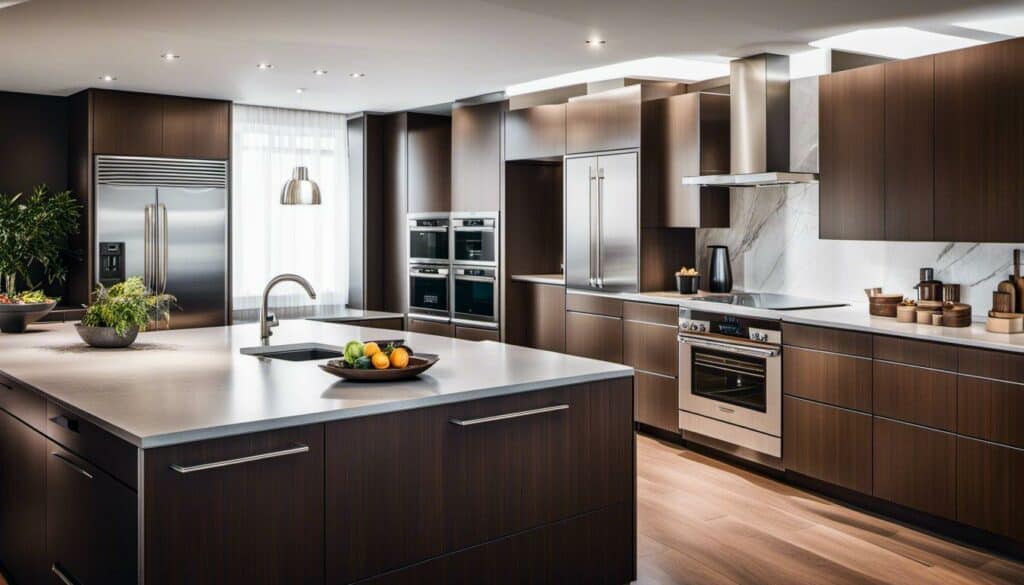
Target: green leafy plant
x=127 y=305
x=34 y=231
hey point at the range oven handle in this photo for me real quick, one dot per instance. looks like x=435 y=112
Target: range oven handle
x=474 y=228
x=413 y=228
x=487 y=279
x=428 y=275
x=756 y=352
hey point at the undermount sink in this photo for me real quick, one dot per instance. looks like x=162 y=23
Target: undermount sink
x=296 y=352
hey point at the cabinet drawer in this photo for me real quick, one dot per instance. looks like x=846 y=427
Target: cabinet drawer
x=990 y=410
x=990 y=481
x=96 y=445
x=476 y=334
x=991 y=364
x=593 y=304
x=653 y=348
x=915 y=467
x=835 y=379
x=23 y=460
x=432 y=328
x=825 y=339
x=593 y=336
x=657 y=401
x=23 y=403
x=939 y=356
x=651 y=313
x=827 y=443
x=924 y=397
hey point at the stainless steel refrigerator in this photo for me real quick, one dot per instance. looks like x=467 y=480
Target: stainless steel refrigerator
x=602 y=230
x=166 y=220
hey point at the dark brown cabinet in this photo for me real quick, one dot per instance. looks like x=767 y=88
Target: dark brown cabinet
x=915 y=467
x=990 y=410
x=840 y=380
x=431 y=327
x=990 y=479
x=127 y=123
x=852 y=164
x=827 y=443
x=607 y=120
x=917 y=395
x=195 y=128
x=476 y=334
x=540 y=322
x=223 y=520
x=91 y=522
x=476 y=157
x=534 y=133
x=657 y=401
x=428 y=162
x=909 y=148
x=979 y=102
x=593 y=336
x=651 y=347
x=22 y=501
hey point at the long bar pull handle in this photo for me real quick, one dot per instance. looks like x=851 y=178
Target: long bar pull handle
x=600 y=227
x=148 y=245
x=249 y=459
x=592 y=180
x=65 y=579
x=487 y=419
x=72 y=465
x=164 y=248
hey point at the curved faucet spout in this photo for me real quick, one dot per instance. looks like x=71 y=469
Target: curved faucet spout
x=267 y=319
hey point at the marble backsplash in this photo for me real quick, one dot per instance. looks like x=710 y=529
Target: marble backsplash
x=774 y=247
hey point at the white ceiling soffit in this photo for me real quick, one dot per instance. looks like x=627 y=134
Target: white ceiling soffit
x=898 y=42
x=662 y=68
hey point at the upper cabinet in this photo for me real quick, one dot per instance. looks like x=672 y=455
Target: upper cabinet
x=537 y=132
x=476 y=157
x=909 y=144
x=851 y=132
x=979 y=143
x=428 y=160
x=140 y=124
x=608 y=120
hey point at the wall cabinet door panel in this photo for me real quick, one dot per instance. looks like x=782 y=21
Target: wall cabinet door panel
x=429 y=163
x=909 y=144
x=196 y=128
x=22 y=501
x=476 y=157
x=915 y=467
x=127 y=123
x=609 y=120
x=827 y=443
x=535 y=133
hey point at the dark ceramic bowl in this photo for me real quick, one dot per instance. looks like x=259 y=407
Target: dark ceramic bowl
x=15 y=318
x=106 y=337
x=687 y=285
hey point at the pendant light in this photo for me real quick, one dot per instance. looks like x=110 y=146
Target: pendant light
x=300 y=189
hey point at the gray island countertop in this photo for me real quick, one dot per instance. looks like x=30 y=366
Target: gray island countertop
x=180 y=386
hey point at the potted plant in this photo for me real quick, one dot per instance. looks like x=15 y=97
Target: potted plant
x=33 y=240
x=118 y=313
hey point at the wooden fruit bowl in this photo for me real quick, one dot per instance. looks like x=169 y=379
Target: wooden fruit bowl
x=418 y=364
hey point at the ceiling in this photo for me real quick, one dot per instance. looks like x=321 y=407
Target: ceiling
x=414 y=53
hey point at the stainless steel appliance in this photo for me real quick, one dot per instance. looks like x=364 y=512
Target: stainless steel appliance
x=730 y=383
x=166 y=220
x=475 y=296
x=429 y=292
x=428 y=238
x=475 y=239
x=768 y=301
x=601 y=222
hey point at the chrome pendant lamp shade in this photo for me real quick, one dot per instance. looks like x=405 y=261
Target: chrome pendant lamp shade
x=300 y=190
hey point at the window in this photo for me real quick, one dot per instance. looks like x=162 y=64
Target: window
x=269 y=238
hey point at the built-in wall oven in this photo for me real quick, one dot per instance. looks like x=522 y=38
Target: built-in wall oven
x=475 y=296
x=429 y=292
x=428 y=238
x=730 y=383
x=475 y=239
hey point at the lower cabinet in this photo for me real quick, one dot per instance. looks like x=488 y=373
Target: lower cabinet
x=476 y=334
x=657 y=401
x=22 y=501
x=91 y=523
x=989 y=482
x=541 y=319
x=915 y=467
x=211 y=518
x=827 y=443
x=431 y=327
x=593 y=336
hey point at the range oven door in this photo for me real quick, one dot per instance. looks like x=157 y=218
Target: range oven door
x=740 y=384
x=429 y=291
x=475 y=296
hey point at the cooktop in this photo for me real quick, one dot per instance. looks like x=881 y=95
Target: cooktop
x=772 y=301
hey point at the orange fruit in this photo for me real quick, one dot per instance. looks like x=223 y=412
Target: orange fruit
x=399 y=357
x=371 y=349
x=380 y=360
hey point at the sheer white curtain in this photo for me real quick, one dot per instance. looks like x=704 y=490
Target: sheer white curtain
x=270 y=238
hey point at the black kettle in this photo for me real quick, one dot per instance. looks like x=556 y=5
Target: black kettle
x=720 y=271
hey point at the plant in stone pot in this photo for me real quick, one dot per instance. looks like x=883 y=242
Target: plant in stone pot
x=118 y=313
x=34 y=232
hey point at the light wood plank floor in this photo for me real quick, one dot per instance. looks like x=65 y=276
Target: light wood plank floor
x=703 y=521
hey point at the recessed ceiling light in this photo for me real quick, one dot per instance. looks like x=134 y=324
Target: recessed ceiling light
x=320 y=72
x=170 y=57
x=357 y=75
x=1012 y=26
x=667 y=68
x=264 y=66
x=300 y=90
x=898 y=42
x=595 y=43
x=107 y=78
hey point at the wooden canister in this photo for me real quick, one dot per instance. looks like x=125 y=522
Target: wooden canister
x=951 y=293
x=906 y=313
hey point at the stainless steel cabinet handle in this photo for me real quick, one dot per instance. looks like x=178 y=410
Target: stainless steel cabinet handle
x=147 y=253
x=479 y=421
x=600 y=227
x=249 y=459
x=728 y=347
x=60 y=575
x=164 y=248
x=71 y=464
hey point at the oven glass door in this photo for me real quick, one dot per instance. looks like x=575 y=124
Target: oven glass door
x=474 y=245
x=428 y=244
x=429 y=293
x=475 y=297
x=733 y=379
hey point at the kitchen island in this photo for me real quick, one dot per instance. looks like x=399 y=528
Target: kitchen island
x=180 y=460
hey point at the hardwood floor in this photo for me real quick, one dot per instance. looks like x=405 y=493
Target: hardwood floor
x=701 y=521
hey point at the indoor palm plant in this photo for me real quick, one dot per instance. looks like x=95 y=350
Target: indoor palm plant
x=118 y=313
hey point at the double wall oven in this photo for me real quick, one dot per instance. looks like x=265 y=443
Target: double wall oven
x=730 y=383
x=429 y=266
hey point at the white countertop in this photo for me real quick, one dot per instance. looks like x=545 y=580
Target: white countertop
x=186 y=385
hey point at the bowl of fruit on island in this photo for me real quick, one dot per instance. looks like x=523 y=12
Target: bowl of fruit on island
x=378 y=361
x=20 y=310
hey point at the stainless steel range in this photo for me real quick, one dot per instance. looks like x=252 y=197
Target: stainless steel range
x=730 y=384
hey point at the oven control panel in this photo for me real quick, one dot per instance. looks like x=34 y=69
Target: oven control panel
x=765 y=335
x=695 y=326
x=721 y=325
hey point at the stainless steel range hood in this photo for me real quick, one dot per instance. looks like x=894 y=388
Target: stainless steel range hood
x=759 y=126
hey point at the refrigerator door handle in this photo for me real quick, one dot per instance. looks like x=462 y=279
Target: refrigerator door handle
x=164 y=248
x=600 y=227
x=590 y=227
x=148 y=246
